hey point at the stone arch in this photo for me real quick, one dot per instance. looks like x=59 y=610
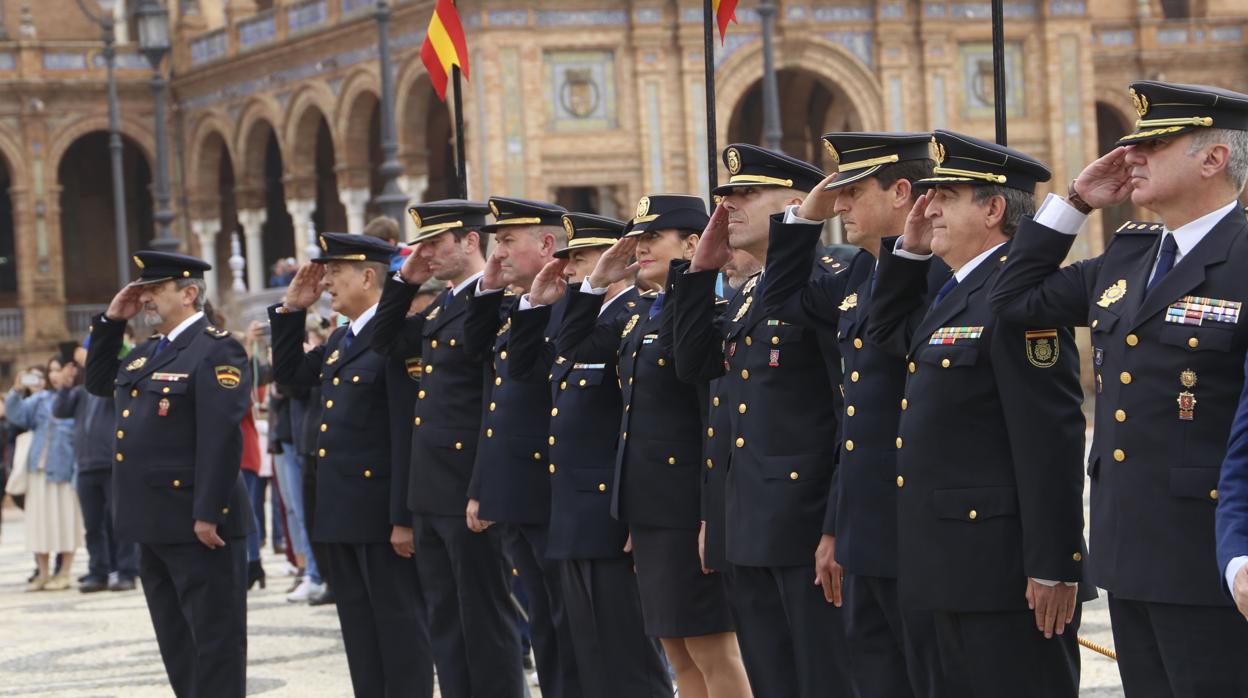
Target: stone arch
x=135 y=130
x=308 y=107
x=357 y=122
x=259 y=118
x=209 y=142
x=424 y=134
x=413 y=97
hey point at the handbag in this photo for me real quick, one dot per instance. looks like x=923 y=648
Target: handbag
x=16 y=484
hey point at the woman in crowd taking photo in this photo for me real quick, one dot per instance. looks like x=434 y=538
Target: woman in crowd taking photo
x=53 y=519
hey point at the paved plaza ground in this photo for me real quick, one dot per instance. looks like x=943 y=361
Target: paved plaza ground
x=70 y=645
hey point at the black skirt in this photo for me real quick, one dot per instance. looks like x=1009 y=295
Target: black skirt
x=677 y=600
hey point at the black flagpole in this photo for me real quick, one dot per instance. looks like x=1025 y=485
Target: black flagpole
x=708 y=55
x=998 y=68
x=461 y=174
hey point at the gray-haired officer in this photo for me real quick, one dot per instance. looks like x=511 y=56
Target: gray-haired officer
x=1163 y=303
x=181 y=397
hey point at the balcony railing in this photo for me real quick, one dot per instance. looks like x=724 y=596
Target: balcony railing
x=10 y=324
x=78 y=317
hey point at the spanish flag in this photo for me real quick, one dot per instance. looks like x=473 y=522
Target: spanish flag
x=444 y=46
x=725 y=12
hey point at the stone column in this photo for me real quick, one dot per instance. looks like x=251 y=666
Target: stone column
x=300 y=211
x=415 y=186
x=206 y=233
x=251 y=221
x=355 y=201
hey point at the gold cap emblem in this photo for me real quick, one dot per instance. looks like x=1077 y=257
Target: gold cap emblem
x=494 y=209
x=324 y=245
x=643 y=206
x=938 y=152
x=137 y=262
x=1140 y=101
x=568 y=227
x=415 y=216
x=734 y=161
x=827 y=145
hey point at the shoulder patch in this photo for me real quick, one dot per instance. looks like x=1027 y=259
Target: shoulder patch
x=1139 y=228
x=228 y=377
x=216 y=332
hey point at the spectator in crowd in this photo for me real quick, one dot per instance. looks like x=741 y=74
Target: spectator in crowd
x=112 y=564
x=306 y=421
x=388 y=229
x=53 y=519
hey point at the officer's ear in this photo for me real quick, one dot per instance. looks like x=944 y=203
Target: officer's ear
x=902 y=189
x=994 y=212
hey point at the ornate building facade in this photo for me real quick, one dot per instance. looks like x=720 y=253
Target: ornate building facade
x=275 y=125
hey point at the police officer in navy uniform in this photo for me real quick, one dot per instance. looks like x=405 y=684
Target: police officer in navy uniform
x=362 y=465
x=181 y=396
x=510 y=483
x=1163 y=303
x=872 y=193
x=613 y=655
x=464 y=575
x=781 y=458
x=990 y=505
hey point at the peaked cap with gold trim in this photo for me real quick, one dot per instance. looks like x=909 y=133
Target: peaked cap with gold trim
x=587 y=230
x=862 y=154
x=433 y=218
x=752 y=166
x=508 y=212
x=155 y=267
x=1169 y=109
x=963 y=159
x=668 y=211
x=345 y=247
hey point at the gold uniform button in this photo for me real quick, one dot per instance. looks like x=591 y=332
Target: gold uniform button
x=710 y=431
x=749 y=341
x=225 y=510
x=944 y=363
x=321 y=453
x=912 y=367
x=740 y=442
x=368 y=473
x=715 y=401
x=671 y=460
x=336 y=381
x=850 y=410
x=134 y=393
x=452 y=342
x=551 y=441
x=745 y=374
x=551 y=468
x=1119 y=455
x=329 y=404
x=489 y=433
x=624 y=436
x=121 y=434
x=1095 y=323
x=1213 y=494
x=1125 y=377
x=421 y=395
x=709 y=464
x=325 y=427
x=537 y=456
x=857 y=343
x=904 y=403
x=741 y=408
x=120 y=457
x=1193 y=342
x=493 y=406
x=1120 y=415
x=503 y=355
x=1077 y=557
x=1132 y=340
x=972 y=515
x=853 y=377
x=563 y=385
x=165 y=389
x=356 y=379
x=898 y=442
x=433 y=344
x=177 y=483
x=602 y=487
x=793 y=475
x=849 y=445
x=125 y=414
x=662 y=362
x=582 y=382
x=775 y=340
x=901 y=481
x=554 y=411
x=459 y=445
x=498 y=381
x=630 y=380
x=418 y=421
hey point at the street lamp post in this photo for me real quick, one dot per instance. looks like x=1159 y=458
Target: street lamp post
x=105 y=20
x=392 y=201
x=772 y=133
x=153 y=23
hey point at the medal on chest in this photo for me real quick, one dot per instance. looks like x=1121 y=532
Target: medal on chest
x=162 y=407
x=1187 y=399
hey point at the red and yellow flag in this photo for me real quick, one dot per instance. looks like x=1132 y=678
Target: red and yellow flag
x=444 y=46
x=725 y=12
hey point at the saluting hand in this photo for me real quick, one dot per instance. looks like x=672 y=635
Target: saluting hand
x=828 y=572
x=415 y=270
x=615 y=264
x=125 y=304
x=820 y=204
x=713 y=249
x=305 y=288
x=402 y=541
x=550 y=284
x=492 y=277
x=1240 y=592
x=917 y=237
x=206 y=532
x=1054 y=606
x=1107 y=181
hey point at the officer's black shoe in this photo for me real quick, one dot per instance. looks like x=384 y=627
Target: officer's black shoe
x=121 y=584
x=90 y=585
x=255 y=574
x=323 y=598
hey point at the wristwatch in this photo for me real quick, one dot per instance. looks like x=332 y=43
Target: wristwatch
x=1076 y=202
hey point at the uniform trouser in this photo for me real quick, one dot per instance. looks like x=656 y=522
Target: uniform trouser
x=548 y=621
x=383 y=618
x=105 y=553
x=472 y=623
x=1173 y=651
x=883 y=638
x=795 y=637
x=198 y=602
x=1002 y=654
x=614 y=658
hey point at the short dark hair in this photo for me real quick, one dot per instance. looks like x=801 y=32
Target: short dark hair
x=1018 y=203
x=460 y=233
x=910 y=170
x=384 y=227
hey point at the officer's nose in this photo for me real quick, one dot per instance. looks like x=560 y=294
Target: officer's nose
x=1135 y=156
x=840 y=204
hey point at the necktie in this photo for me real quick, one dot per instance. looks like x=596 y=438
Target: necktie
x=1165 y=261
x=346 y=341
x=658 y=305
x=448 y=299
x=160 y=346
x=944 y=290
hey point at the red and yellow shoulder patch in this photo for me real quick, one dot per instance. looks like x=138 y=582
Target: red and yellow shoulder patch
x=228 y=377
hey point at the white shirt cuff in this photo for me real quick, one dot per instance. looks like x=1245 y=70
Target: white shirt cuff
x=909 y=255
x=1058 y=215
x=586 y=288
x=1232 y=570
x=1051 y=583
x=485 y=292
x=525 y=304
x=790 y=216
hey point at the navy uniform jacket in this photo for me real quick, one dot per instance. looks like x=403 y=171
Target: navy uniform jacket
x=989 y=447
x=1154 y=473
x=656 y=477
x=447 y=414
x=1231 y=515
x=362 y=441
x=509 y=477
x=716 y=449
x=179 y=443
x=585 y=425
x=783 y=416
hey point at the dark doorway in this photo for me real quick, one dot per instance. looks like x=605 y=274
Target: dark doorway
x=1110 y=126
x=8 y=241
x=809 y=108
x=330 y=215
x=278 y=237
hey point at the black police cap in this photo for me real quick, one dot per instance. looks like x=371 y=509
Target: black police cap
x=508 y=211
x=433 y=218
x=668 y=211
x=752 y=166
x=1170 y=109
x=155 y=267
x=862 y=154
x=963 y=159
x=345 y=247
x=587 y=230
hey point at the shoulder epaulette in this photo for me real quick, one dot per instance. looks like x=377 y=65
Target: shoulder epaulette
x=1138 y=228
x=216 y=332
x=508 y=293
x=650 y=294
x=721 y=301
